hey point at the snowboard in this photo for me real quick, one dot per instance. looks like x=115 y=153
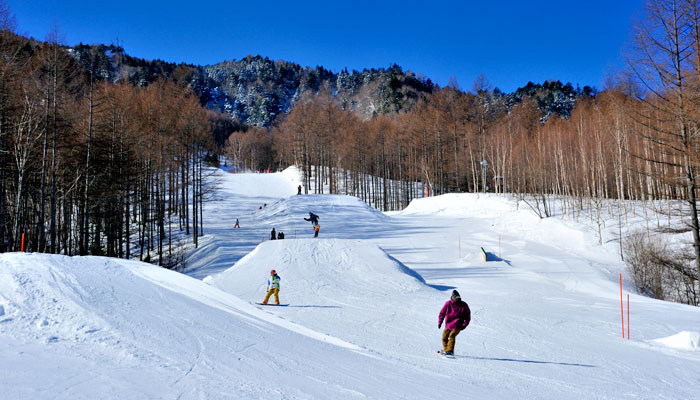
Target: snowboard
x=443 y=355
x=272 y=304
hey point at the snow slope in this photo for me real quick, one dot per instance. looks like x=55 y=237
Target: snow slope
x=91 y=327
x=362 y=320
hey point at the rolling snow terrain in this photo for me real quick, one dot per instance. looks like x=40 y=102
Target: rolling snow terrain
x=363 y=307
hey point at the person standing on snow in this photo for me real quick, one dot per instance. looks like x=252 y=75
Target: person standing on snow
x=237 y=224
x=313 y=218
x=299 y=189
x=273 y=287
x=457 y=316
x=273 y=235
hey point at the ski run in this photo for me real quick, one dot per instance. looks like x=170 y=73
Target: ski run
x=362 y=309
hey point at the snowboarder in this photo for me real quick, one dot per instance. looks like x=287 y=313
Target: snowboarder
x=273 y=287
x=273 y=235
x=457 y=316
x=237 y=225
x=313 y=218
x=299 y=189
x=316 y=228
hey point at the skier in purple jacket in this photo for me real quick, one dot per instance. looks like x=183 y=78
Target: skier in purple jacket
x=457 y=316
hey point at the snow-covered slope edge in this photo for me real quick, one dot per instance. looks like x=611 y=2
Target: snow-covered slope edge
x=74 y=326
x=331 y=280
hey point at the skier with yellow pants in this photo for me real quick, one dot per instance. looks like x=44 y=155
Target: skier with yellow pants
x=273 y=287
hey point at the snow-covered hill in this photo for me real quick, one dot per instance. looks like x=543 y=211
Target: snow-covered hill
x=362 y=319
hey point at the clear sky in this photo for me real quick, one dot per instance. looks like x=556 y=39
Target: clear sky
x=511 y=42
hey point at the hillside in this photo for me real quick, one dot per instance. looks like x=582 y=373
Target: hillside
x=256 y=90
x=362 y=319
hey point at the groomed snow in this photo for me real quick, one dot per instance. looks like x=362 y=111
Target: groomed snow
x=362 y=319
x=683 y=341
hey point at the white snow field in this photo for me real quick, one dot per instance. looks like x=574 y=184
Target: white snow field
x=363 y=307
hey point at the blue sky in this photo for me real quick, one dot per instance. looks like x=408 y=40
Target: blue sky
x=511 y=42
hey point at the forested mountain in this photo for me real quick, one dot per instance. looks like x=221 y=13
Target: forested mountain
x=256 y=90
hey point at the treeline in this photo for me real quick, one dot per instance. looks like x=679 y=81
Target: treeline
x=92 y=167
x=450 y=141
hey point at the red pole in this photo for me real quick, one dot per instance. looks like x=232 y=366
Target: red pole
x=22 y=243
x=628 y=316
x=622 y=309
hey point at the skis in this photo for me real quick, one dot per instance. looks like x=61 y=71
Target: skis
x=272 y=304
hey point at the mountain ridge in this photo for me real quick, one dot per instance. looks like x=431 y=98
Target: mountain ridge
x=256 y=90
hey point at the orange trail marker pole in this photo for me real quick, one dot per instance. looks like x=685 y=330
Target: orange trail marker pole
x=622 y=309
x=22 y=248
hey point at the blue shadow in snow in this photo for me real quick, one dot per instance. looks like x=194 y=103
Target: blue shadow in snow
x=492 y=257
x=442 y=288
x=312 y=306
x=527 y=361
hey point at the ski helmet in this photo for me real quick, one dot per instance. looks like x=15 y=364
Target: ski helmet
x=455 y=295
x=273 y=272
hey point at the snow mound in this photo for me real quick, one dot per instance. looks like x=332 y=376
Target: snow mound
x=314 y=270
x=462 y=205
x=275 y=184
x=684 y=340
x=125 y=329
x=342 y=287
x=339 y=216
x=506 y=216
x=46 y=302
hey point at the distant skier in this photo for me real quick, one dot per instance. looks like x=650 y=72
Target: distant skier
x=457 y=316
x=299 y=189
x=316 y=228
x=313 y=218
x=273 y=235
x=273 y=287
x=237 y=225
x=280 y=235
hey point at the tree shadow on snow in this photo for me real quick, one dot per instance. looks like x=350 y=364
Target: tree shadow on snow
x=527 y=361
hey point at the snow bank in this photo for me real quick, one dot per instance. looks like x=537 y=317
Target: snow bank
x=340 y=216
x=46 y=301
x=461 y=205
x=330 y=208
x=347 y=288
x=94 y=327
x=321 y=269
x=505 y=216
x=275 y=184
x=684 y=340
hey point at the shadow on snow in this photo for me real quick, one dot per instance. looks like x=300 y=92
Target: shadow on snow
x=527 y=361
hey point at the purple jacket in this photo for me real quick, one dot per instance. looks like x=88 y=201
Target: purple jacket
x=456 y=315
